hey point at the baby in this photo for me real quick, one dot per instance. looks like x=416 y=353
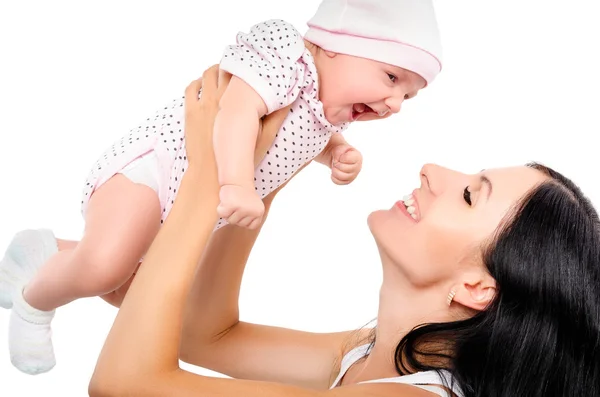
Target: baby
x=358 y=61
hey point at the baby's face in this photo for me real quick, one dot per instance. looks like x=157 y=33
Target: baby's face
x=359 y=89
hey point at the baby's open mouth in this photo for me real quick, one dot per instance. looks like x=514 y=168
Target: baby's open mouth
x=359 y=109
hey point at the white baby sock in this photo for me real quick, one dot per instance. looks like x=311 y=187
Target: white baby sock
x=30 y=337
x=28 y=250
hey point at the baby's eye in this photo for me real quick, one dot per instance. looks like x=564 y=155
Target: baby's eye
x=392 y=77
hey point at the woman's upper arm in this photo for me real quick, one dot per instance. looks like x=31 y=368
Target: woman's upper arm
x=266 y=353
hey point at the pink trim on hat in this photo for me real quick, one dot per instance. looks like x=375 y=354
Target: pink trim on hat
x=396 y=53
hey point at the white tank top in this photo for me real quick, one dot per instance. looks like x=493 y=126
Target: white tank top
x=423 y=380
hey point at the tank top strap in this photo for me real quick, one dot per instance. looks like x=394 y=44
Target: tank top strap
x=349 y=359
x=427 y=380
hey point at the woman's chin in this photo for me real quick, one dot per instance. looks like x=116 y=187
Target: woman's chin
x=384 y=224
x=375 y=220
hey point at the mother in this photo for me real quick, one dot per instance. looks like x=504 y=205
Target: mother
x=492 y=288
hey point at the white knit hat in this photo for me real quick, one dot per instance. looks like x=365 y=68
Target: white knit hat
x=402 y=33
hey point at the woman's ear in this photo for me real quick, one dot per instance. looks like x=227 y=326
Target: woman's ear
x=476 y=291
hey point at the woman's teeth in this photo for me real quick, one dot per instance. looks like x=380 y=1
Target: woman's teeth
x=409 y=202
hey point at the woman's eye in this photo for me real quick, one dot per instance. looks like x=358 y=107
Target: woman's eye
x=467 y=195
x=392 y=77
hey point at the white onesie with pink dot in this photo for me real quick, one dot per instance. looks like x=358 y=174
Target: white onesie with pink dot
x=274 y=61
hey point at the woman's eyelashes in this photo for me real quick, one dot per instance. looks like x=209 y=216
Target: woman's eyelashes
x=467 y=195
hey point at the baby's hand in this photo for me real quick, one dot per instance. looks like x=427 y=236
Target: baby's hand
x=345 y=165
x=240 y=206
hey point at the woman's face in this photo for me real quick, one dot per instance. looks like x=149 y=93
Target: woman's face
x=441 y=227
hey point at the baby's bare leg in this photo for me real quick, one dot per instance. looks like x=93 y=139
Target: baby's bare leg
x=114 y=298
x=121 y=222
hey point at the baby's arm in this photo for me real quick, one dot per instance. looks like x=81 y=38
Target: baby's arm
x=234 y=139
x=326 y=155
x=236 y=132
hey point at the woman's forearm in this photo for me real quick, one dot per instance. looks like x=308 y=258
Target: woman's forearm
x=212 y=307
x=138 y=341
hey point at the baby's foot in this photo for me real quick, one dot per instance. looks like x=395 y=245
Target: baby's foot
x=28 y=250
x=30 y=337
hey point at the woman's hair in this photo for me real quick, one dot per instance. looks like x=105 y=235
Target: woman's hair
x=541 y=334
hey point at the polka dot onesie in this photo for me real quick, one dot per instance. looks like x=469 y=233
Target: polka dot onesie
x=273 y=60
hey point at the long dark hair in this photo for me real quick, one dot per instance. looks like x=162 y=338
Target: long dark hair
x=541 y=334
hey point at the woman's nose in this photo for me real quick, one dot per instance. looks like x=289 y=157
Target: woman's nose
x=436 y=178
x=427 y=176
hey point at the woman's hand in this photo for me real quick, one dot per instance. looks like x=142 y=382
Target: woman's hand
x=201 y=106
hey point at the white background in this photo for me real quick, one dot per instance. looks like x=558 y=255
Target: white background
x=520 y=83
